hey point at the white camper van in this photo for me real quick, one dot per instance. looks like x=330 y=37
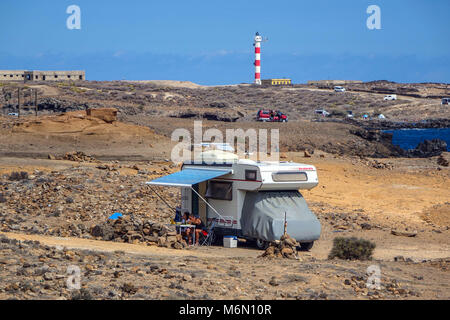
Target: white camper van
x=249 y=199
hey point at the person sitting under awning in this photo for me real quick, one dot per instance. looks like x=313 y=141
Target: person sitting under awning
x=199 y=228
x=185 y=232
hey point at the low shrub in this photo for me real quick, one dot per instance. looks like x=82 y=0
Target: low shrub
x=17 y=176
x=82 y=294
x=352 y=249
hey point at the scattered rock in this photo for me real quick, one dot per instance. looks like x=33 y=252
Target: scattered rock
x=129 y=288
x=366 y=226
x=380 y=165
x=274 y=282
x=126 y=229
x=187 y=277
x=78 y=156
x=82 y=294
x=286 y=247
x=442 y=161
x=404 y=233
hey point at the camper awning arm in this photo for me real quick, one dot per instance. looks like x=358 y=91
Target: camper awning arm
x=161 y=197
x=204 y=200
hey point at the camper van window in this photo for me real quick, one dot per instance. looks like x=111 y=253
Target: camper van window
x=250 y=175
x=219 y=190
x=289 y=176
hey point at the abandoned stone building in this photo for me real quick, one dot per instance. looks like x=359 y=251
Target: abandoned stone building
x=34 y=75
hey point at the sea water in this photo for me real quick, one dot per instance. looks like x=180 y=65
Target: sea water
x=410 y=138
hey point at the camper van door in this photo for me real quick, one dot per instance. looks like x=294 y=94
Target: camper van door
x=222 y=196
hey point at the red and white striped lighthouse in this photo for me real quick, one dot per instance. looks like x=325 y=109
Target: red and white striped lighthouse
x=257 y=44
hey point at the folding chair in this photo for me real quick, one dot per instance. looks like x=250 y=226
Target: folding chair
x=208 y=238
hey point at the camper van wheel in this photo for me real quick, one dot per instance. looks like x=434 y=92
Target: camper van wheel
x=261 y=244
x=306 y=246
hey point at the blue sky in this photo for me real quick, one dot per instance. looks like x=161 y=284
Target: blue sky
x=210 y=42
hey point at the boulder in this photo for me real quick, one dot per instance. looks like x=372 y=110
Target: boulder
x=105 y=231
x=161 y=241
x=108 y=115
x=177 y=245
x=287 y=251
x=172 y=238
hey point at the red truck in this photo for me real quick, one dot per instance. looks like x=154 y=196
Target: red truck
x=271 y=116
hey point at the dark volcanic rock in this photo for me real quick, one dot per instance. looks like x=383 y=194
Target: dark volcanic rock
x=428 y=148
x=384 y=124
x=384 y=138
x=371 y=135
x=218 y=105
x=105 y=230
x=61 y=105
x=440 y=161
x=216 y=116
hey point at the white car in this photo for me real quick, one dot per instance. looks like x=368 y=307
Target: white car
x=322 y=113
x=13 y=114
x=339 y=89
x=390 y=97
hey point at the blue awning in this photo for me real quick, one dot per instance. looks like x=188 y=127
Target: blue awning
x=188 y=177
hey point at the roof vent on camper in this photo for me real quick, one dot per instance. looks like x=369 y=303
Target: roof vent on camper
x=218 y=156
x=246 y=161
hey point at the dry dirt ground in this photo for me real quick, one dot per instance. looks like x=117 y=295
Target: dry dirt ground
x=353 y=199
x=61 y=133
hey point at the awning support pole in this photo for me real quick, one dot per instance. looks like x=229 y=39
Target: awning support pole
x=208 y=204
x=161 y=198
